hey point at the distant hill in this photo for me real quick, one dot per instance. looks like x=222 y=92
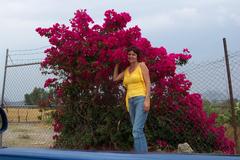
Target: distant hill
x=13 y=103
x=17 y=103
x=214 y=96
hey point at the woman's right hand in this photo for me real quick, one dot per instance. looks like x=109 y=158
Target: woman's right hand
x=116 y=76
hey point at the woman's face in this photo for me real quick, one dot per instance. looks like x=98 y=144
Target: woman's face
x=132 y=57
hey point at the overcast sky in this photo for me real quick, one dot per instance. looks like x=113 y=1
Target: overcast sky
x=198 y=25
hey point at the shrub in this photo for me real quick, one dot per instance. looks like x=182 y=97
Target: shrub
x=93 y=116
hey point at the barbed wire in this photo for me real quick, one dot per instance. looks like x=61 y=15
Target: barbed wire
x=197 y=66
x=24 y=58
x=33 y=59
x=235 y=52
x=25 y=54
x=28 y=50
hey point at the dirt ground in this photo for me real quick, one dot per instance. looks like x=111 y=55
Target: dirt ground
x=28 y=135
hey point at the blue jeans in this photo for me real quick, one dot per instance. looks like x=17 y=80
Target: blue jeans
x=138 y=118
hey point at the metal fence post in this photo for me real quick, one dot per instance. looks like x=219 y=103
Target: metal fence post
x=3 y=88
x=234 y=124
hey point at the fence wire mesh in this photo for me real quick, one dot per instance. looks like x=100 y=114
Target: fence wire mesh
x=208 y=79
x=30 y=124
x=234 y=61
x=211 y=81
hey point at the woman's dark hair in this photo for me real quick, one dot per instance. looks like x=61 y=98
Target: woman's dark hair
x=135 y=50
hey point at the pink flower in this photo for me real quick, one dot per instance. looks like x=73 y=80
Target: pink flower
x=49 y=82
x=185 y=50
x=162 y=143
x=82 y=61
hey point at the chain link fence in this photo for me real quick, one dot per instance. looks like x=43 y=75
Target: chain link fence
x=30 y=124
x=211 y=81
x=210 y=78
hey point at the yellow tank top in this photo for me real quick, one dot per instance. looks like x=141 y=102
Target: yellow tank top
x=134 y=83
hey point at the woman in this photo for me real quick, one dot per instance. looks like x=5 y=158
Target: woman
x=136 y=80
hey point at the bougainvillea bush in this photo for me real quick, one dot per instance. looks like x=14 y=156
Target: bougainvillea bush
x=91 y=112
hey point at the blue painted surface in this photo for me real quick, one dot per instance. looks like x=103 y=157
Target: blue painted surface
x=48 y=154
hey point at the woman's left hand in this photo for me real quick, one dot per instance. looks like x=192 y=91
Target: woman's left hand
x=147 y=104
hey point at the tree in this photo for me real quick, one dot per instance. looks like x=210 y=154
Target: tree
x=37 y=96
x=82 y=57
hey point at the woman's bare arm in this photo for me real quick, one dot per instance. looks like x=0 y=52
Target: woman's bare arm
x=116 y=76
x=147 y=81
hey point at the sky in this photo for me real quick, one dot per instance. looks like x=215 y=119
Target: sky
x=198 y=25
